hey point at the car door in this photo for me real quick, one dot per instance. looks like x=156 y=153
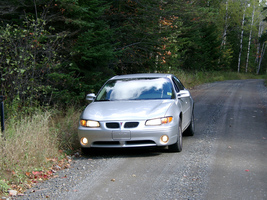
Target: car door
x=183 y=96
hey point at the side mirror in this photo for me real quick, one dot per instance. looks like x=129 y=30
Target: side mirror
x=90 y=97
x=183 y=93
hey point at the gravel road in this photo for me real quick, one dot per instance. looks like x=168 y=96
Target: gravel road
x=226 y=159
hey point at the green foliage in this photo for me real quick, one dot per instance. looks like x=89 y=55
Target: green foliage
x=27 y=56
x=92 y=52
x=193 y=41
x=64 y=125
x=34 y=67
x=3 y=186
x=62 y=49
x=204 y=52
x=230 y=20
x=139 y=33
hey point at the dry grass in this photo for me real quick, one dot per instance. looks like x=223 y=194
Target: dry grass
x=30 y=143
x=65 y=126
x=25 y=146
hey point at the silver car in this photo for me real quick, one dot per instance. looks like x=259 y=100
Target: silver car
x=138 y=110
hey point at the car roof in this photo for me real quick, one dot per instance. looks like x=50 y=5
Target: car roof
x=144 y=75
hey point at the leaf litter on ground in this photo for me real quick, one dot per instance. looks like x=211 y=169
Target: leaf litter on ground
x=38 y=176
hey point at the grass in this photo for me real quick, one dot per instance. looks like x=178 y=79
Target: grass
x=65 y=125
x=35 y=143
x=25 y=146
x=30 y=143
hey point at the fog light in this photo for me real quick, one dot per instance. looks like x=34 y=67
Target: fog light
x=164 y=138
x=84 y=141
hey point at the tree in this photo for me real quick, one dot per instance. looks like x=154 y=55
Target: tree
x=246 y=19
x=28 y=55
x=241 y=37
x=199 y=35
x=250 y=35
x=261 y=46
x=34 y=67
x=89 y=42
x=137 y=28
x=262 y=41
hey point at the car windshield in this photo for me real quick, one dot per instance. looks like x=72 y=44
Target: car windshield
x=136 y=89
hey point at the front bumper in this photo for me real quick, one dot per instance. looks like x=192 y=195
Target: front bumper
x=140 y=136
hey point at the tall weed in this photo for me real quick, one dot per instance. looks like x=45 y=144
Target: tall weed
x=25 y=146
x=65 y=126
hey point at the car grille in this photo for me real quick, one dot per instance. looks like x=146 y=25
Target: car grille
x=115 y=125
x=131 y=124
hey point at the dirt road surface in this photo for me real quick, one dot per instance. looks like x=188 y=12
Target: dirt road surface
x=225 y=159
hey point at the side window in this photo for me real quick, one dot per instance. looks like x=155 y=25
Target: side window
x=176 y=86
x=179 y=84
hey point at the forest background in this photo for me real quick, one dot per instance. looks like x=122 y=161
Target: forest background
x=54 y=52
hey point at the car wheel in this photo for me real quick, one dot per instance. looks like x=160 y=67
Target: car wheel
x=177 y=147
x=190 y=131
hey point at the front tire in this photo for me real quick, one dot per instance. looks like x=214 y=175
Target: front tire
x=178 y=146
x=190 y=131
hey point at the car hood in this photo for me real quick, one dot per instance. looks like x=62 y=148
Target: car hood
x=126 y=110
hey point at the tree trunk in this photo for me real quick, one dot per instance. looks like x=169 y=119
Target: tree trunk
x=241 y=41
x=259 y=45
x=225 y=27
x=261 y=56
x=249 y=41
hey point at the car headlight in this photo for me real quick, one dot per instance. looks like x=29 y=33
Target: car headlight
x=89 y=123
x=158 y=121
